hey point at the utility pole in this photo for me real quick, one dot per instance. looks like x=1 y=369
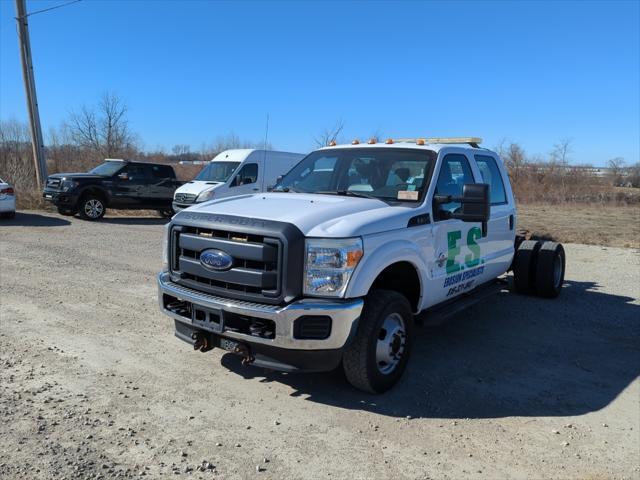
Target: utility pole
x=30 y=91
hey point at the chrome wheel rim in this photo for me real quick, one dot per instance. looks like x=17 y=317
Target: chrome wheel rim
x=392 y=340
x=557 y=271
x=93 y=208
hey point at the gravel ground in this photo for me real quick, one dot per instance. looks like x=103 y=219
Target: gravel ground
x=93 y=384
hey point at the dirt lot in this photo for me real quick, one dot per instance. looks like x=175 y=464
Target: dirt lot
x=590 y=224
x=94 y=385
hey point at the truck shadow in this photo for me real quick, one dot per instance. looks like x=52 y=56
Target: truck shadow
x=508 y=356
x=23 y=219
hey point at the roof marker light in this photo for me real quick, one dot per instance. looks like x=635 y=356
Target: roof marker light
x=372 y=140
x=420 y=141
x=355 y=142
x=332 y=143
x=389 y=141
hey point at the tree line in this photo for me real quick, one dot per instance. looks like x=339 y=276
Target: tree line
x=95 y=132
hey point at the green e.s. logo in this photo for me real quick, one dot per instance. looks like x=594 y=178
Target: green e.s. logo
x=470 y=260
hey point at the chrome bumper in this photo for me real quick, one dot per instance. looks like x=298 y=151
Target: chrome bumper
x=344 y=315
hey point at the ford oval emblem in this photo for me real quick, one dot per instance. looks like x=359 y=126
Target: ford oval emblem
x=214 y=259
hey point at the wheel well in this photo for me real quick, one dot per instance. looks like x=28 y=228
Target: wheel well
x=96 y=192
x=401 y=277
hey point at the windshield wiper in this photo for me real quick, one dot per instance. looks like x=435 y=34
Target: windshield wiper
x=348 y=193
x=286 y=190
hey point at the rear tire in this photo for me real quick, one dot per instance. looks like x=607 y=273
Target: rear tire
x=524 y=267
x=376 y=359
x=92 y=207
x=550 y=268
x=68 y=212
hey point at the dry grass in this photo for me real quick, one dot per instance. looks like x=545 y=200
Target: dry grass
x=591 y=224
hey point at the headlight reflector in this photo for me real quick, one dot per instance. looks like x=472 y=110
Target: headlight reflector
x=69 y=185
x=329 y=264
x=206 y=195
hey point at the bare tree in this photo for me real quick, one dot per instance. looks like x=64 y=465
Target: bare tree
x=103 y=129
x=561 y=151
x=516 y=161
x=616 y=170
x=329 y=135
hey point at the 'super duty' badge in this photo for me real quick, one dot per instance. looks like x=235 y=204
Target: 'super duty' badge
x=214 y=259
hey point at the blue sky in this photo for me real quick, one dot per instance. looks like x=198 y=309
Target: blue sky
x=193 y=70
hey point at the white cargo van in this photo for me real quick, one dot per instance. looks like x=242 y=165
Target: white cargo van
x=235 y=172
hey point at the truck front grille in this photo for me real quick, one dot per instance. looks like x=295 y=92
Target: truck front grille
x=54 y=183
x=255 y=273
x=185 y=197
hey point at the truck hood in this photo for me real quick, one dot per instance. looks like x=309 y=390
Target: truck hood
x=197 y=186
x=314 y=215
x=75 y=175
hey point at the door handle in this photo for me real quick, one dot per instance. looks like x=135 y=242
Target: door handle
x=256 y=189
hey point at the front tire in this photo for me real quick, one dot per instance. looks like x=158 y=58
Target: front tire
x=378 y=356
x=92 y=208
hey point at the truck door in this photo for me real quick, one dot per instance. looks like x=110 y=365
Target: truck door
x=459 y=248
x=130 y=181
x=246 y=180
x=499 y=244
x=161 y=187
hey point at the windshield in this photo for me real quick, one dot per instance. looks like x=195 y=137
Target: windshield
x=107 y=169
x=383 y=173
x=217 y=171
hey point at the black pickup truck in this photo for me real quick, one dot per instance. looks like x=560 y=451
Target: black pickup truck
x=118 y=184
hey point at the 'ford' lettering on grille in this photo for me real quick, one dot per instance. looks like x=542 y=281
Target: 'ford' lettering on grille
x=214 y=259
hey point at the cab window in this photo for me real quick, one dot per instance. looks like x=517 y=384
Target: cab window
x=247 y=175
x=161 y=172
x=134 y=172
x=454 y=173
x=491 y=175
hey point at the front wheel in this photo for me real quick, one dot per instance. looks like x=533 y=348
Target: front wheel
x=376 y=359
x=92 y=208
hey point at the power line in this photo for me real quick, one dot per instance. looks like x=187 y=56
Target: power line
x=47 y=9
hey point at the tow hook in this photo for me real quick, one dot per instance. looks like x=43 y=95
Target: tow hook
x=243 y=350
x=201 y=342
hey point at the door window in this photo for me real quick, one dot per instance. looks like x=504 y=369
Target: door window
x=454 y=173
x=491 y=175
x=161 y=172
x=247 y=175
x=134 y=173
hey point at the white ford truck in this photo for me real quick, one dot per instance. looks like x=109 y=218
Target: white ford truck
x=354 y=244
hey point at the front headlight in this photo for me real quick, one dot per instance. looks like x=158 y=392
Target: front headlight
x=69 y=185
x=206 y=195
x=165 y=247
x=329 y=264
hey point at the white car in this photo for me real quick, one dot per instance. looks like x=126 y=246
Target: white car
x=7 y=200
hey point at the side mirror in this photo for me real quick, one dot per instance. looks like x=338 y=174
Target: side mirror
x=279 y=179
x=476 y=205
x=123 y=176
